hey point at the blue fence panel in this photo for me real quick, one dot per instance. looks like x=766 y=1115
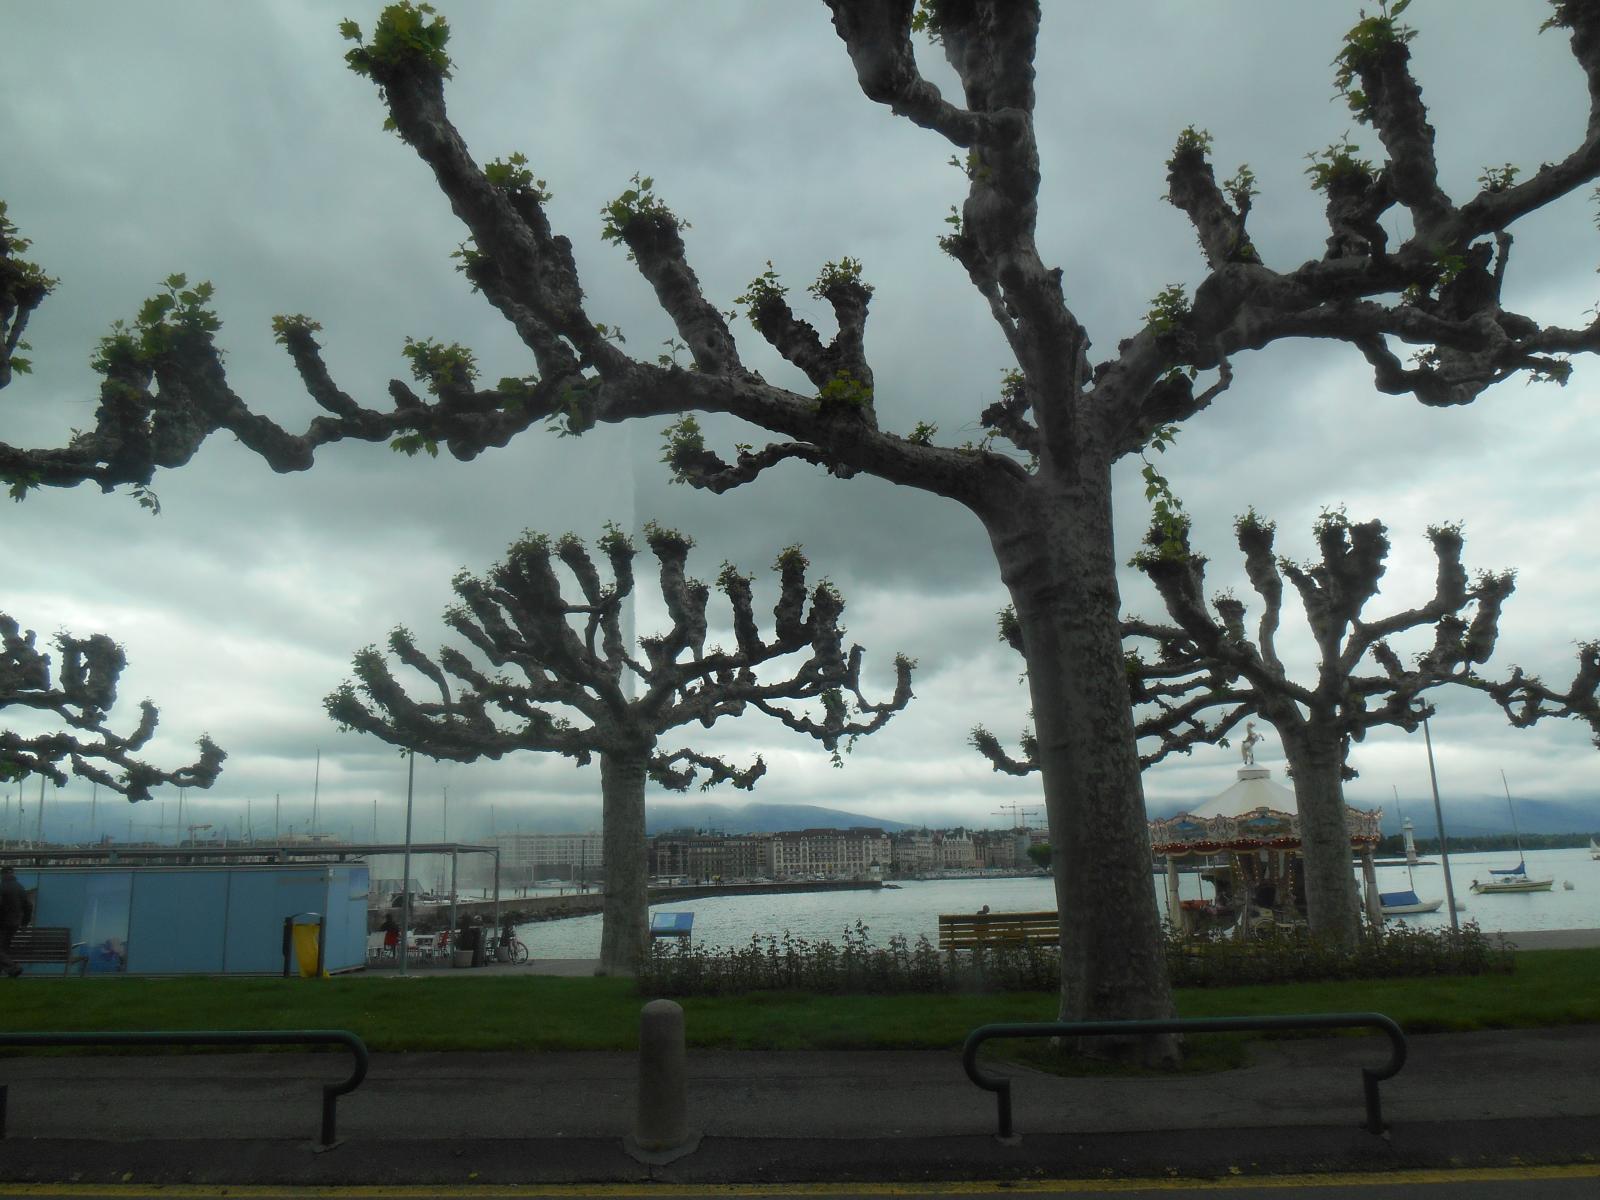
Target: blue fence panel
x=258 y=902
x=107 y=901
x=177 y=921
x=345 y=927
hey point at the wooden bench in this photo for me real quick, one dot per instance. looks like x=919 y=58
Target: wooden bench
x=48 y=944
x=968 y=931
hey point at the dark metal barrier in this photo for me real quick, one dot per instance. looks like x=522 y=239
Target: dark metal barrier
x=1370 y=1077
x=222 y=1037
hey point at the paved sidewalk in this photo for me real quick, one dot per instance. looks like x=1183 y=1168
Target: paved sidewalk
x=1501 y=1097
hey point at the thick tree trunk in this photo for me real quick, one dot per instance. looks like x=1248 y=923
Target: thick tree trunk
x=1316 y=760
x=1061 y=572
x=625 y=921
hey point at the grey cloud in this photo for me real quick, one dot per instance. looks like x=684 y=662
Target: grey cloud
x=197 y=137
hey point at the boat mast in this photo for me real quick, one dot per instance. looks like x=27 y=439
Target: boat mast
x=1515 y=834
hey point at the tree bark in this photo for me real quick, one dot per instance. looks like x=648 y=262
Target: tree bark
x=1057 y=558
x=1316 y=758
x=625 y=920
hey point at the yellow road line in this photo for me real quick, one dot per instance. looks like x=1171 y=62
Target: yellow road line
x=616 y=1191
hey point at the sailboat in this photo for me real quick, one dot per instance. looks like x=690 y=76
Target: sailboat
x=1512 y=879
x=1407 y=903
x=1594 y=849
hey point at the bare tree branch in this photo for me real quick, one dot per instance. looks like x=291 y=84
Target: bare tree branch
x=84 y=691
x=1527 y=699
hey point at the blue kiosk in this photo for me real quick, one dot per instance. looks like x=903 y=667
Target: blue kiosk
x=211 y=919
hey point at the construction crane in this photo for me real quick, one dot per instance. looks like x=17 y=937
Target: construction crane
x=1018 y=812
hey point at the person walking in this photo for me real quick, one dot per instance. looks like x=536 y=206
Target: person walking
x=16 y=910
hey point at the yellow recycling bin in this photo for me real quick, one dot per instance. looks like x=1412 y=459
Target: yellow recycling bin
x=305 y=938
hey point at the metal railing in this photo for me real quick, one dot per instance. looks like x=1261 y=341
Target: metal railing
x=1370 y=1077
x=225 y=1037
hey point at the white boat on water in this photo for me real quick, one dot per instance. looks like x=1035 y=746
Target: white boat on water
x=1406 y=904
x=1512 y=879
x=1594 y=849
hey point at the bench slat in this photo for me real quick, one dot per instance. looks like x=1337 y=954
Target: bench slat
x=45 y=944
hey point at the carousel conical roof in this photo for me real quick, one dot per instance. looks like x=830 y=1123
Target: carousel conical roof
x=1254 y=789
x=1254 y=813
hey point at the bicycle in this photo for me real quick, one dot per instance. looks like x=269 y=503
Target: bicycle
x=515 y=950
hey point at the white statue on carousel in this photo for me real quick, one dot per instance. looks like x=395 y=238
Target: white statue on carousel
x=1247 y=748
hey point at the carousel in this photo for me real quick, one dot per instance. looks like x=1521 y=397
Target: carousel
x=1245 y=846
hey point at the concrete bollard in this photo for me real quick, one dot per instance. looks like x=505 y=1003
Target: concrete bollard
x=661 y=1131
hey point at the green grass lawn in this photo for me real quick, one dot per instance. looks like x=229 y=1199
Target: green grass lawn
x=1549 y=987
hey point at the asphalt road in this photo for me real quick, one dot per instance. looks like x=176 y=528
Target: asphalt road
x=1565 y=1183
x=823 y=1119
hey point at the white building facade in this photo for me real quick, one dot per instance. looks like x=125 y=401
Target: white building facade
x=843 y=853
x=558 y=854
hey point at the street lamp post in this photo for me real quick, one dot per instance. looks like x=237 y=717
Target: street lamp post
x=1438 y=816
x=405 y=870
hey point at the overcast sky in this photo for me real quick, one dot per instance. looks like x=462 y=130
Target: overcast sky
x=230 y=142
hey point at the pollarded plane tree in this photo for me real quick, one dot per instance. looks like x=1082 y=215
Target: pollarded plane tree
x=1361 y=682
x=1434 y=287
x=1203 y=673
x=570 y=684
x=81 y=695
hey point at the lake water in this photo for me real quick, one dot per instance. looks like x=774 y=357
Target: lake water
x=913 y=908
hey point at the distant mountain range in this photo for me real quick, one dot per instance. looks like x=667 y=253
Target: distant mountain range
x=1474 y=816
x=719 y=818
x=759 y=818
x=1465 y=816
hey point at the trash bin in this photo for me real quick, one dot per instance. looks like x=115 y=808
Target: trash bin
x=305 y=942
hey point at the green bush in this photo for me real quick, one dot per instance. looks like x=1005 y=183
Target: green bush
x=857 y=967
x=788 y=963
x=1399 y=951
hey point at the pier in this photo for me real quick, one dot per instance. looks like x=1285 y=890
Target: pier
x=584 y=903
